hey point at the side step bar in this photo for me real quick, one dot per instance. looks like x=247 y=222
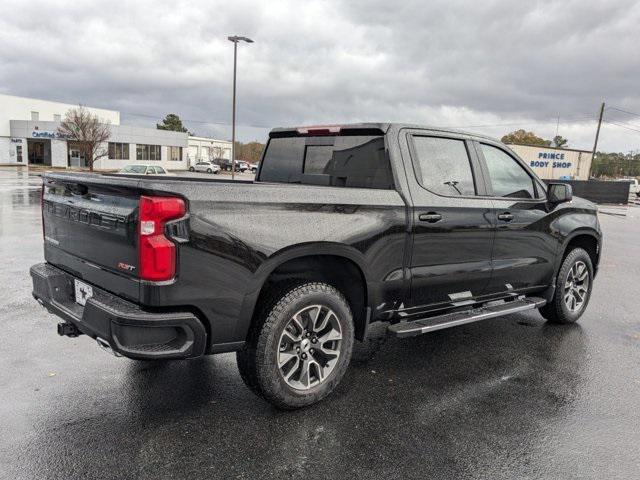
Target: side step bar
x=431 y=324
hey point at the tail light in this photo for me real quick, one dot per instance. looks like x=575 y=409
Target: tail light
x=157 y=252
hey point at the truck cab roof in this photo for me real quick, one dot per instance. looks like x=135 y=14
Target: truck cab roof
x=368 y=127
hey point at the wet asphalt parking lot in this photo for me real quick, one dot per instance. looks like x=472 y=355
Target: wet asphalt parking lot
x=505 y=398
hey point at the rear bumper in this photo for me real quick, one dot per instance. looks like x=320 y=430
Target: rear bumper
x=129 y=330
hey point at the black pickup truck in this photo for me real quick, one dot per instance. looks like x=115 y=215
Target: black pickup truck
x=421 y=228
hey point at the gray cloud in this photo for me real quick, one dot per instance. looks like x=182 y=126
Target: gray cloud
x=438 y=62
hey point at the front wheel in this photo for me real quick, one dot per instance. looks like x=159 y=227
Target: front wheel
x=573 y=289
x=301 y=346
x=209 y=170
x=191 y=169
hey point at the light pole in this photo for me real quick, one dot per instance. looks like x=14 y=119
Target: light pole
x=235 y=39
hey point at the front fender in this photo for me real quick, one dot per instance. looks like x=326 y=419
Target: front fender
x=569 y=232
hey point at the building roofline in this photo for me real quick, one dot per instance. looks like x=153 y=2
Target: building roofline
x=58 y=101
x=208 y=139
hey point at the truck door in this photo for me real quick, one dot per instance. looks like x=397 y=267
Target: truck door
x=524 y=249
x=452 y=223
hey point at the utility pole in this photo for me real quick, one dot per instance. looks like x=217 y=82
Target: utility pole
x=235 y=39
x=595 y=143
x=233 y=117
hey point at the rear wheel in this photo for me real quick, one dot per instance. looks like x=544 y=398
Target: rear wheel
x=191 y=169
x=573 y=289
x=301 y=347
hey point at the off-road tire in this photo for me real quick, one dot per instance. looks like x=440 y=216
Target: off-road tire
x=257 y=362
x=557 y=311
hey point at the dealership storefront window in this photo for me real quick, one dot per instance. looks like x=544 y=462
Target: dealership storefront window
x=118 y=151
x=175 y=153
x=148 y=152
x=39 y=152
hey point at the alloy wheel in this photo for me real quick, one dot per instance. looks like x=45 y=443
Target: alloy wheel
x=309 y=347
x=576 y=286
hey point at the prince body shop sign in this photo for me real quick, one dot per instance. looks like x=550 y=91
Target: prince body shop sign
x=555 y=163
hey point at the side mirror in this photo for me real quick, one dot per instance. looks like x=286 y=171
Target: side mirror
x=559 y=192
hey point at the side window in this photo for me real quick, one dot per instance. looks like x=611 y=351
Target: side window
x=443 y=166
x=507 y=176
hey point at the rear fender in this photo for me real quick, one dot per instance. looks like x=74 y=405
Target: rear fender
x=279 y=258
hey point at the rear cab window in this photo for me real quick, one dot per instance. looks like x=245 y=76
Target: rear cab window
x=443 y=165
x=355 y=158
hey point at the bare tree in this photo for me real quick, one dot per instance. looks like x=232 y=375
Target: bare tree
x=219 y=152
x=86 y=129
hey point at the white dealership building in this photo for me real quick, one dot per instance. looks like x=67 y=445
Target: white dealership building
x=28 y=136
x=203 y=148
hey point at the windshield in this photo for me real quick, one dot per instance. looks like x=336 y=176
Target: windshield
x=357 y=161
x=134 y=169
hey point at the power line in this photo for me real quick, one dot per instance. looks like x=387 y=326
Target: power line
x=225 y=124
x=623 y=121
x=634 y=125
x=580 y=117
x=624 y=111
x=548 y=122
x=622 y=126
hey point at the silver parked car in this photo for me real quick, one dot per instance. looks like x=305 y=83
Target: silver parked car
x=143 y=170
x=208 y=167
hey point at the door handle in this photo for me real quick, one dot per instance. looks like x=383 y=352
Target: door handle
x=431 y=217
x=505 y=217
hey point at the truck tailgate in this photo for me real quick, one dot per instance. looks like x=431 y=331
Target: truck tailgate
x=90 y=229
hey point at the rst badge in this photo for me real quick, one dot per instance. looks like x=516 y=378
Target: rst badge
x=126 y=267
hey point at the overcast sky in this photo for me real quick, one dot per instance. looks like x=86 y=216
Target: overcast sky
x=489 y=67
